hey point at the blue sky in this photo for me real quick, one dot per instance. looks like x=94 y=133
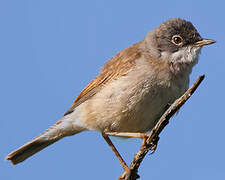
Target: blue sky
x=51 y=49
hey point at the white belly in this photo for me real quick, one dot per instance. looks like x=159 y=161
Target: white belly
x=132 y=103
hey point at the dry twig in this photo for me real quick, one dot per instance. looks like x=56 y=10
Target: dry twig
x=150 y=142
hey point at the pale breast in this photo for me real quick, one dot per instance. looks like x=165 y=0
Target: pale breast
x=132 y=103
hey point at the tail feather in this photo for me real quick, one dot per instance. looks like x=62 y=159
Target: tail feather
x=59 y=130
x=28 y=150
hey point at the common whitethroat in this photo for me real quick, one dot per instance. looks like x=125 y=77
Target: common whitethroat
x=133 y=89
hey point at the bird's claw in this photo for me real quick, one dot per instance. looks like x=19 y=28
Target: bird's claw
x=154 y=144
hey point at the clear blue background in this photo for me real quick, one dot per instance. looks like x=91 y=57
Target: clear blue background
x=51 y=49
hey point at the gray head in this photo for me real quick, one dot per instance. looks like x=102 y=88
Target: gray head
x=176 y=40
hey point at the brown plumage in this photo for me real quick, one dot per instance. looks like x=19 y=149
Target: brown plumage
x=114 y=68
x=133 y=88
x=28 y=150
x=117 y=66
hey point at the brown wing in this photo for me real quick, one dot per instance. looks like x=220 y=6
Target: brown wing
x=117 y=66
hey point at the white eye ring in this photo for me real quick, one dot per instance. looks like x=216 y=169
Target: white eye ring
x=177 y=40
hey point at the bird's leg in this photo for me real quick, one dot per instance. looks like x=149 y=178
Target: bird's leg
x=123 y=163
x=143 y=136
x=127 y=134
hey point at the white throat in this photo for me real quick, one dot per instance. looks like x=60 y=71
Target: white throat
x=185 y=55
x=182 y=60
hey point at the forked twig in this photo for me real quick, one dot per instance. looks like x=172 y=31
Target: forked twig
x=152 y=139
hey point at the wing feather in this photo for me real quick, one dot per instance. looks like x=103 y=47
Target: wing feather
x=117 y=66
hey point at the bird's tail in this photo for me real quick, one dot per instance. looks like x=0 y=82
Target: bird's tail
x=59 y=130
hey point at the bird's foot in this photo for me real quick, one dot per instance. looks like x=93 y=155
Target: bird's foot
x=146 y=137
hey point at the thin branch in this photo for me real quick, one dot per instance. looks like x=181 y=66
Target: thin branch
x=151 y=141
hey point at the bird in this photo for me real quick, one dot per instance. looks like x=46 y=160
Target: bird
x=132 y=90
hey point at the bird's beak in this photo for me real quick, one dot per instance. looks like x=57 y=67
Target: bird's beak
x=204 y=42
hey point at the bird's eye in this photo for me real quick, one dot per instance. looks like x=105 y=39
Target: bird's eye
x=177 y=40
